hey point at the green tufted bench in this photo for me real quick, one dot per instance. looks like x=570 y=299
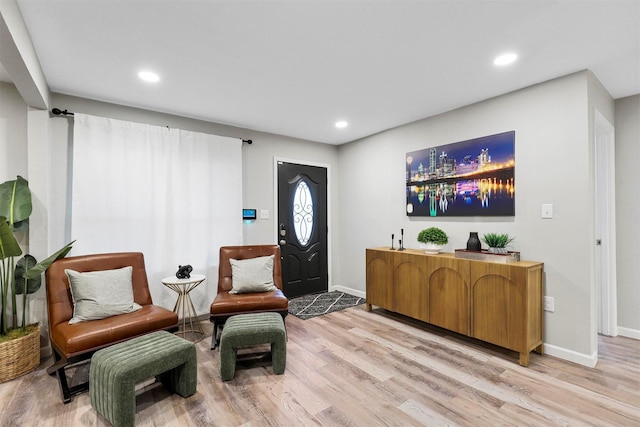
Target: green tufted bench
x=244 y=330
x=115 y=371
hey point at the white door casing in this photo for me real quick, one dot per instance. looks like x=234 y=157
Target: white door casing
x=605 y=226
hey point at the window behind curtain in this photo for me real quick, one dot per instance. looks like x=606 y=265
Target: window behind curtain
x=174 y=195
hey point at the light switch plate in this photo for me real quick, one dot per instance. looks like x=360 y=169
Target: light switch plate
x=547 y=210
x=264 y=213
x=549 y=304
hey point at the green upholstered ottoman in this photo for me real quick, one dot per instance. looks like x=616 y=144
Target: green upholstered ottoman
x=115 y=371
x=244 y=330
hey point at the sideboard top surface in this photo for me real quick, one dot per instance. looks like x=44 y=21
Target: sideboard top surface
x=452 y=255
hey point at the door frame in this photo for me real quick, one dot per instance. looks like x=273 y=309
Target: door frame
x=605 y=227
x=326 y=166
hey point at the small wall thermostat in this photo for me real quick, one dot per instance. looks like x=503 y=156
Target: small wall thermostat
x=249 y=214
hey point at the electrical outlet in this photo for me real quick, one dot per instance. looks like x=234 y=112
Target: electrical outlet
x=547 y=211
x=549 y=304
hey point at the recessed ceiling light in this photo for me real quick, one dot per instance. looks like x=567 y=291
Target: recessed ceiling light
x=505 y=59
x=149 y=76
x=341 y=124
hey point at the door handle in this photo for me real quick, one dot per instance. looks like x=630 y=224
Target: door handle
x=283 y=233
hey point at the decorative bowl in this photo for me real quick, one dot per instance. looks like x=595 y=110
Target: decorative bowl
x=431 y=248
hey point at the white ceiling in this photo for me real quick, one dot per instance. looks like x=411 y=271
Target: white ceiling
x=296 y=67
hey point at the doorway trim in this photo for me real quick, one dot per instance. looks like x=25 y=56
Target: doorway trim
x=326 y=166
x=605 y=227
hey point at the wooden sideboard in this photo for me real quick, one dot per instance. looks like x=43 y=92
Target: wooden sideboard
x=497 y=303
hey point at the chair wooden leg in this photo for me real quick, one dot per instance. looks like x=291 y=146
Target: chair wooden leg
x=58 y=369
x=64 y=386
x=57 y=364
x=214 y=342
x=214 y=336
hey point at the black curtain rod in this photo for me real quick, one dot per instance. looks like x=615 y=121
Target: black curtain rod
x=57 y=112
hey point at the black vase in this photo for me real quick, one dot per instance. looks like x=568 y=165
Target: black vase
x=473 y=244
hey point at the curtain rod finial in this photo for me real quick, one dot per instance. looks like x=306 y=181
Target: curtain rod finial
x=57 y=112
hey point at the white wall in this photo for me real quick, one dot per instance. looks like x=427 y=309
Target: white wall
x=13 y=145
x=627 y=124
x=553 y=165
x=13 y=133
x=18 y=157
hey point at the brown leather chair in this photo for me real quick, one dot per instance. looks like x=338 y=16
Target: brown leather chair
x=76 y=343
x=226 y=305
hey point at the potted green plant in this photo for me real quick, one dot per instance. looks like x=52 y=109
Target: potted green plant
x=497 y=242
x=433 y=239
x=19 y=343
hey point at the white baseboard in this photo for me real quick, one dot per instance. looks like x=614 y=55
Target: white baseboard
x=571 y=356
x=629 y=333
x=585 y=359
x=354 y=292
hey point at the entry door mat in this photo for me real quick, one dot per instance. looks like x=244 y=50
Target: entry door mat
x=309 y=306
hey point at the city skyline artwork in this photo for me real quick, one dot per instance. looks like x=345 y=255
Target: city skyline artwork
x=475 y=177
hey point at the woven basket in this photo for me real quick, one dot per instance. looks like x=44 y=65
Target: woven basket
x=19 y=356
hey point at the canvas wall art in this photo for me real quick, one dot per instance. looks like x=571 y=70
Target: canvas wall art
x=468 y=178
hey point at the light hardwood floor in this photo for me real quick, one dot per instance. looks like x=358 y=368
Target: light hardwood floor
x=354 y=368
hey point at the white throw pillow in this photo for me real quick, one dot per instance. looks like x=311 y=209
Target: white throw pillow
x=100 y=294
x=252 y=275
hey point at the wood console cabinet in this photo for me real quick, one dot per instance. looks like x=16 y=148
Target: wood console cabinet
x=497 y=303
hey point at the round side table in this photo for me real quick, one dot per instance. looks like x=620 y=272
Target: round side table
x=184 y=306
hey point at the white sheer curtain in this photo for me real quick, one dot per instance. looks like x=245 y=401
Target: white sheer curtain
x=174 y=195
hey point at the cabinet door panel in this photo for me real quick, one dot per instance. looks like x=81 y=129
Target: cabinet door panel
x=499 y=305
x=448 y=294
x=409 y=286
x=380 y=279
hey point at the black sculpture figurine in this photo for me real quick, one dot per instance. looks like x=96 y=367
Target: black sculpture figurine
x=184 y=271
x=392 y=248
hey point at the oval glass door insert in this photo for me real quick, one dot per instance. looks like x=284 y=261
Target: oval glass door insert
x=302 y=209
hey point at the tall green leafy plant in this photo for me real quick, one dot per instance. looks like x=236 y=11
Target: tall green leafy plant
x=24 y=276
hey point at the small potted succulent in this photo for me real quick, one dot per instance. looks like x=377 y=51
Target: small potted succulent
x=433 y=240
x=497 y=242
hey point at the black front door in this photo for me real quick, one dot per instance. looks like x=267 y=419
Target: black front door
x=302 y=228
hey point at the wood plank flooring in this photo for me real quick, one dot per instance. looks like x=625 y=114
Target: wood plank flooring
x=354 y=368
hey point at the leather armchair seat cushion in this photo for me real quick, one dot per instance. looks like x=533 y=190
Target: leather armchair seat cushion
x=228 y=304
x=81 y=337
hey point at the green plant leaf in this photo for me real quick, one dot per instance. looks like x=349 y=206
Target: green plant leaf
x=15 y=200
x=9 y=246
x=497 y=240
x=42 y=266
x=434 y=235
x=26 y=263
